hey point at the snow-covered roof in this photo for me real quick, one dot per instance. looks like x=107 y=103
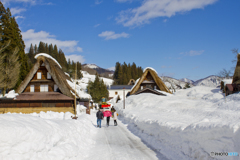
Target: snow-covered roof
x=227 y=81
x=48 y=56
x=11 y=94
x=149 y=68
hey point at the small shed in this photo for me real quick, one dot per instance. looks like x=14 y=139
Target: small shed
x=118 y=90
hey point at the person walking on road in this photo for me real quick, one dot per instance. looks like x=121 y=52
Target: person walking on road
x=115 y=114
x=107 y=114
x=99 y=118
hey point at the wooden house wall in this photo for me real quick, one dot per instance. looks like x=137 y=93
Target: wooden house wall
x=36 y=106
x=43 y=81
x=148 y=78
x=43 y=71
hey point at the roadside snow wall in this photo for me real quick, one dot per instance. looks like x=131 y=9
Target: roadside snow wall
x=190 y=124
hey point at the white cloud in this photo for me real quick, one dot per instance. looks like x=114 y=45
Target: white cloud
x=75 y=58
x=123 y=1
x=112 y=35
x=98 y=2
x=192 y=53
x=15 y=11
x=17 y=17
x=6 y=2
x=30 y=36
x=96 y=25
x=158 y=8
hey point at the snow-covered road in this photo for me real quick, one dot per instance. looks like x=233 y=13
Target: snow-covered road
x=117 y=142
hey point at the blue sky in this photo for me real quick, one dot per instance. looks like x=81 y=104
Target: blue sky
x=178 y=38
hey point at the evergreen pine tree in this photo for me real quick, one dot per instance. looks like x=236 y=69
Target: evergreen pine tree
x=41 y=47
x=10 y=31
x=50 y=50
x=35 y=50
x=46 y=48
x=120 y=76
x=55 y=52
x=31 y=54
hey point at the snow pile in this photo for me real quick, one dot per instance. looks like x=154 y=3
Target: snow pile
x=46 y=136
x=11 y=94
x=190 y=124
x=79 y=90
x=48 y=56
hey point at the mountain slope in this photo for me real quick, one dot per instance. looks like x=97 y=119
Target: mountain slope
x=187 y=80
x=210 y=81
x=93 y=69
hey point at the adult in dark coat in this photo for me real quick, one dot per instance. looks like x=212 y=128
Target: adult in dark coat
x=100 y=116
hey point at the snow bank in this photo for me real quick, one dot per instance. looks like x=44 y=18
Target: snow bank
x=48 y=56
x=190 y=124
x=11 y=94
x=45 y=136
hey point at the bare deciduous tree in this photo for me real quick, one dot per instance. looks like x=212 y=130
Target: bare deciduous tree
x=9 y=69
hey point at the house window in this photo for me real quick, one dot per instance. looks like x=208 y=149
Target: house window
x=141 y=87
x=55 y=88
x=44 y=88
x=155 y=87
x=49 y=75
x=31 y=88
x=39 y=75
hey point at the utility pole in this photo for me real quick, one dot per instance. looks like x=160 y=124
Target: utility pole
x=124 y=98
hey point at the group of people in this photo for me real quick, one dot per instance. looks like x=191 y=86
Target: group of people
x=100 y=116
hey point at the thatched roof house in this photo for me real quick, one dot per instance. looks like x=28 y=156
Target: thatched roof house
x=46 y=86
x=235 y=86
x=149 y=83
x=131 y=82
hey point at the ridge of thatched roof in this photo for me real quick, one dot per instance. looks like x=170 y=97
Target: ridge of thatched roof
x=158 y=81
x=131 y=82
x=236 y=76
x=59 y=77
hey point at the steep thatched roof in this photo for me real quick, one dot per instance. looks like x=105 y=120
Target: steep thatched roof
x=59 y=77
x=236 y=76
x=157 y=80
x=131 y=82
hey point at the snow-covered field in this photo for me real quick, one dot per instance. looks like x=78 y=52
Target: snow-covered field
x=189 y=124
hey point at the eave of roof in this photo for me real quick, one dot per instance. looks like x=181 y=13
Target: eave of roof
x=42 y=96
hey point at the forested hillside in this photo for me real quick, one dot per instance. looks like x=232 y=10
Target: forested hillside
x=124 y=72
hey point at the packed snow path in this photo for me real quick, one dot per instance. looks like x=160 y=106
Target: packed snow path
x=117 y=142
